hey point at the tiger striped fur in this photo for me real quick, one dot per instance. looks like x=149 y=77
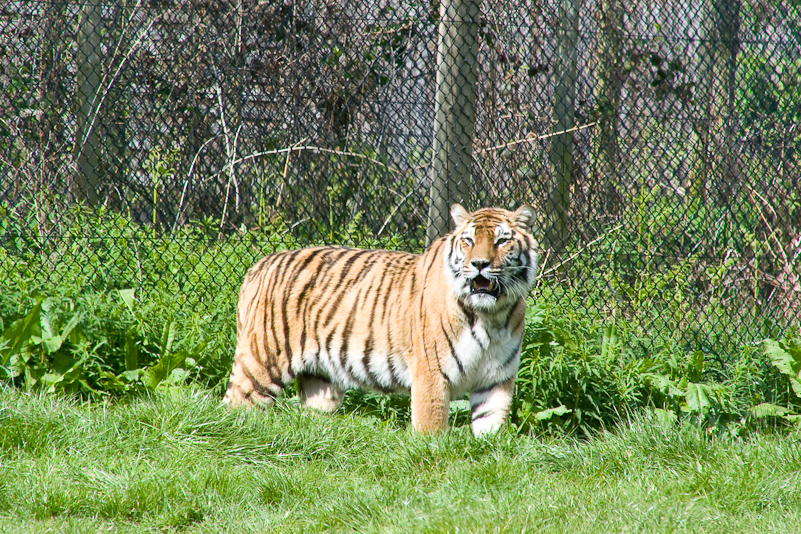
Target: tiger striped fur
x=441 y=324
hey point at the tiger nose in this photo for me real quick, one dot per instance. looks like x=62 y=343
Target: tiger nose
x=479 y=264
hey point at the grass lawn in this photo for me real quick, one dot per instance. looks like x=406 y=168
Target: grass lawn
x=183 y=463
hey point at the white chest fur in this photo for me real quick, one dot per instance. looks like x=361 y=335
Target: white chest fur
x=484 y=356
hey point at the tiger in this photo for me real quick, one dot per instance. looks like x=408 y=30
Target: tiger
x=438 y=325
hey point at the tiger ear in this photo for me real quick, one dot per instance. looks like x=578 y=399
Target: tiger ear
x=459 y=214
x=525 y=218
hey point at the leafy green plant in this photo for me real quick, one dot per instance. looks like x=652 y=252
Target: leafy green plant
x=563 y=382
x=581 y=373
x=54 y=347
x=160 y=169
x=785 y=356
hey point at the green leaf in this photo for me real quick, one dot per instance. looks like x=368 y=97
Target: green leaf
x=50 y=380
x=44 y=319
x=89 y=388
x=547 y=414
x=128 y=297
x=19 y=334
x=155 y=374
x=665 y=416
x=697 y=365
x=62 y=363
x=15 y=366
x=167 y=337
x=132 y=375
x=535 y=315
x=609 y=342
x=664 y=384
x=71 y=325
x=796 y=385
x=109 y=381
x=177 y=376
x=53 y=342
x=31 y=378
x=697 y=397
x=787 y=360
x=769 y=410
x=131 y=354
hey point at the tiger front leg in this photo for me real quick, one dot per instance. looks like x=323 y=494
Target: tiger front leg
x=489 y=408
x=430 y=402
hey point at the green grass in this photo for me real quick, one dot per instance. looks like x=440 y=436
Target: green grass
x=178 y=461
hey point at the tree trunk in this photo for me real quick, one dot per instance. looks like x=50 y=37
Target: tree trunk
x=454 y=119
x=607 y=95
x=87 y=138
x=561 y=151
x=51 y=90
x=717 y=68
x=730 y=46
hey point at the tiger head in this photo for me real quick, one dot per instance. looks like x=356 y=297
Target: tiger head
x=493 y=258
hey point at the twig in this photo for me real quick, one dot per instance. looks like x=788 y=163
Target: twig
x=188 y=178
x=582 y=249
x=233 y=174
x=96 y=111
x=296 y=148
x=230 y=150
x=138 y=262
x=296 y=224
x=239 y=19
x=285 y=173
x=773 y=230
x=397 y=207
x=543 y=264
x=536 y=138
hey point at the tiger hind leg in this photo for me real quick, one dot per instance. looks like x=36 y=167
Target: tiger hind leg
x=251 y=388
x=319 y=394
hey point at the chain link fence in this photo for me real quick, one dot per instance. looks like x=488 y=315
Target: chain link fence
x=659 y=142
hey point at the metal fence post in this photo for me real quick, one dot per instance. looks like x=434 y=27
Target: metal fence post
x=454 y=118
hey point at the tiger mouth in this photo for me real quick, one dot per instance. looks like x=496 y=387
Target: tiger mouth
x=484 y=286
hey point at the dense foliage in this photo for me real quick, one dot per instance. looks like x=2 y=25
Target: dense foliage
x=113 y=311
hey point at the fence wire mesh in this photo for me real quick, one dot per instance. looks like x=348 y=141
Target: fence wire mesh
x=659 y=143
